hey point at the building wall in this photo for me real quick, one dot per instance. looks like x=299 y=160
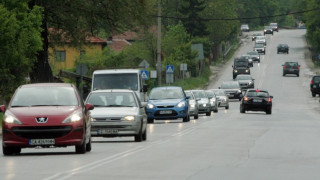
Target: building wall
x=71 y=54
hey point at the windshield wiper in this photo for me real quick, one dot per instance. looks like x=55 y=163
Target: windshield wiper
x=19 y=106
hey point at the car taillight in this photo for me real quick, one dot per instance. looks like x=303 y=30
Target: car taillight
x=269 y=99
x=311 y=82
x=284 y=67
x=245 y=98
x=298 y=67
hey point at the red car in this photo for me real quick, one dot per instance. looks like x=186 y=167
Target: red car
x=46 y=115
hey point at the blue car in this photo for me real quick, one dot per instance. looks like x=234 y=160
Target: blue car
x=167 y=103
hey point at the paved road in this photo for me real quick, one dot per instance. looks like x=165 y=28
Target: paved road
x=227 y=145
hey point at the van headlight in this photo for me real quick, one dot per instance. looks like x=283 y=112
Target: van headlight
x=74 y=117
x=192 y=105
x=181 y=104
x=129 y=118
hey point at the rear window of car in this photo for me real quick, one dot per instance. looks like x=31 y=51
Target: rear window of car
x=316 y=79
x=291 y=64
x=257 y=94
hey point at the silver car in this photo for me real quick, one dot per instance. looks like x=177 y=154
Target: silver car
x=203 y=102
x=213 y=100
x=246 y=81
x=222 y=97
x=193 y=105
x=117 y=112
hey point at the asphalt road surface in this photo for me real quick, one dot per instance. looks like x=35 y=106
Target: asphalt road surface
x=225 y=146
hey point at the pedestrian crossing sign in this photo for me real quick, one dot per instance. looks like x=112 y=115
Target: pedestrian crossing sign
x=170 y=69
x=144 y=74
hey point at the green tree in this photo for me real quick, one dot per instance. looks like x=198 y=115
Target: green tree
x=313 y=24
x=75 y=20
x=190 y=11
x=20 y=40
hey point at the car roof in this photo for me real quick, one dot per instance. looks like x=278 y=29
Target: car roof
x=115 y=71
x=168 y=87
x=47 y=85
x=261 y=90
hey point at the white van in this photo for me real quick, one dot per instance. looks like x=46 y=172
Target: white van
x=119 y=79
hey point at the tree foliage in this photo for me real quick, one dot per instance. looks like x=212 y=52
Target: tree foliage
x=313 y=24
x=20 y=40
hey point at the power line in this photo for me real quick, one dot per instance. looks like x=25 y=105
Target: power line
x=234 y=19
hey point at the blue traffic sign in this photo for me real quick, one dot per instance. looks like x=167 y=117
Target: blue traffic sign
x=170 y=69
x=144 y=74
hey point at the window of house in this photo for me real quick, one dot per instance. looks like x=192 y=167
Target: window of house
x=61 y=56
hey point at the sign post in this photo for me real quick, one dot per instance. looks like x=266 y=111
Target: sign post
x=169 y=74
x=183 y=68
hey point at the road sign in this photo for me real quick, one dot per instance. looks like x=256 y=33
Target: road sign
x=144 y=64
x=183 y=67
x=153 y=74
x=170 y=69
x=144 y=74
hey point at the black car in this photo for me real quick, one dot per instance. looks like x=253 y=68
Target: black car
x=268 y=30
x=256 y=100
x=241 y=66
x=315 y=86
x=291 y=68
x=232 y=89
x=284 y=48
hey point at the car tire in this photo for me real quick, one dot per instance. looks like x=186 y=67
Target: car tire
x=287 y=52
x=196 y=116
x=208 y=113
x=313 y=94
x=138 y=137
x=150 y=121
x=277 y=52
x=283 y=74
x=10 y=150
x=227 y=107
x=81 y=149
x=259 y=61
x=144 y=135
x=268 y=111
x=88 y=146
x=242 y=110
x=298 y=75
x=186 y=119
x=215 y=110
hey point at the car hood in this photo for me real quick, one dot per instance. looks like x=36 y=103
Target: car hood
x=240 y=67
x=114 y=111
x=55 y=114
x=165 y=102
x=244 y=81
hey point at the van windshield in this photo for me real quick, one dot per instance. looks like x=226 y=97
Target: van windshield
x=116 y=81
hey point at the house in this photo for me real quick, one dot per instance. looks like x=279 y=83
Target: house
x=64 y=56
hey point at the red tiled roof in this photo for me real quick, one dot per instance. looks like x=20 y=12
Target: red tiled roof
x=91 y=39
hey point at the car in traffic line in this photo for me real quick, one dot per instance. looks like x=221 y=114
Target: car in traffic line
x=213 y=100
x=204 y=106
x=245 y=28
x=117 y=112
x=232 y=89
x=315 y=85
x=223 y=99
x=167 y=102
x=240 y=66
x=254 y=36
x=261 y=40
x=46 y=115
x=246 y=81
x=284 y=48
x=256 y=100
x=274 y=26
x=246 y=56
x=255 y=56
x=193 y=105
x=291 y=68
x=260 y=48
x=267 y=30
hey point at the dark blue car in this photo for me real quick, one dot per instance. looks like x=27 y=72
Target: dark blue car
x=167 y=103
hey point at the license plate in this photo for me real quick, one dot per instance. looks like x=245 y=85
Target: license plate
x=257 y=100
x=41 y=141
x=165 y=112
x=291 y=69
x=314 y=86
x=107 y=131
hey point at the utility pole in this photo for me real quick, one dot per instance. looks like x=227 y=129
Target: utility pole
x=159 y=44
